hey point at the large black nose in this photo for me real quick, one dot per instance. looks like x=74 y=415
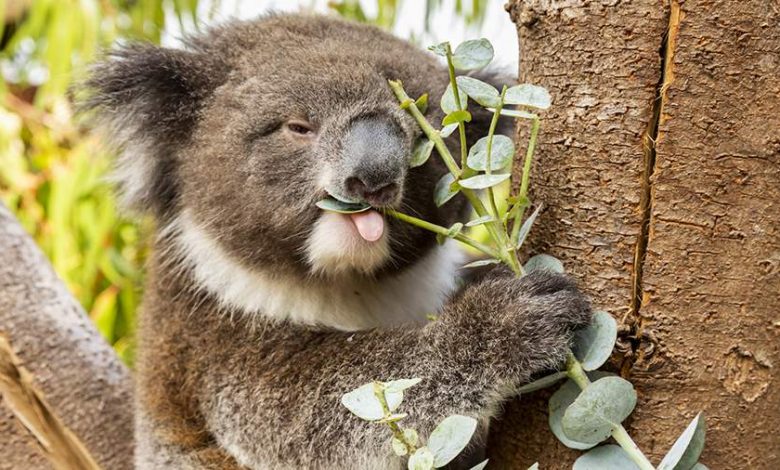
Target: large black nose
x=373 y=161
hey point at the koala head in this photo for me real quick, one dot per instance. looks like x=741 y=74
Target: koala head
x=238 y=134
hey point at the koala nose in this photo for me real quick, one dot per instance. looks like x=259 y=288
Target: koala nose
x=376 y=196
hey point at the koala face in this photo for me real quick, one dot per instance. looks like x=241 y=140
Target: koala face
x=244 y=130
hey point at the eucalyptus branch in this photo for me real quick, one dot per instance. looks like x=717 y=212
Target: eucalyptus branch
x=522 y=195
x=458 y=105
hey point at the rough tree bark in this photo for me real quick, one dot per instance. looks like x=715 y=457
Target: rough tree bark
x=65 y=394
x=660 y=168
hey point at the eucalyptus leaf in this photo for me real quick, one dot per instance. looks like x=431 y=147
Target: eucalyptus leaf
x=448 y=104
x=450 y=437
x=456 y=117
x=608 y=457
x=544 y=382
x=528 y=95
x=481 y=220
x=593 y=345
x=559 y=402
x=479 y=91
x=364 y=403
x=439 y=49
x=543 y=263
x=442 y=192
x=422 y=103
x=401 y=384
x=472 y=54
x=480 y=263
x=422 y=459
x=334 y=205
x=687 y=449
x=456 y=228
x=525 y=229
x=501 y=153
x=534 y=466
x=601 y=407
x=518 y=113
x=447 y=131
x=399 y=448
x=480 y=465
x=484 y=181
x=421 y=153
x=411 y=436
x=699 y=466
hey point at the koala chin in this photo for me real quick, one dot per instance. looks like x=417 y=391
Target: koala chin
x=260 y=309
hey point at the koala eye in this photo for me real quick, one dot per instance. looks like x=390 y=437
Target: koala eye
x=300 y=128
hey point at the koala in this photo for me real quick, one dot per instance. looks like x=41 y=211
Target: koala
x=261 y=310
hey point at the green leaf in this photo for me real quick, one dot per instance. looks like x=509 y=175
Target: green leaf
x=442 y=192
x=364 y=403
x=456 y=117
x=480 y=263
x=608 y=457
x=501 y=153
x=472 y=54
x=544 y=382
x=480 y=466
x=448 y=104
x=528 y=95
x=334 y=205
x=421 y=153
x=456 y=228
x=484 y=181
x=601 y=407
x=422 y=103
x=399 y=448
x=518 y=113
x=559 y=402
x=479 y=91
x=439 y=49
x=544 y=262
x=400 y=385
x=525 y=229
x=687 y=449
x=411 y=436
x=422 y=459
x=450 y=437
x=447 y=131
x=481 y=220
x=593 y=345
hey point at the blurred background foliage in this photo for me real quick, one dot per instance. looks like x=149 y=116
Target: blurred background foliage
x=53 y=170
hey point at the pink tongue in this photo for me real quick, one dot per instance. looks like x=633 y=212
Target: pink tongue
x=370 y=224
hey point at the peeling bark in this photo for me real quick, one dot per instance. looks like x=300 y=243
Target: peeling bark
x=65 y=395
x=660 y=168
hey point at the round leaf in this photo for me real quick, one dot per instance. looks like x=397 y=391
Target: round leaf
x=439 y=49
x=456 y=117
x=559 y=402
x=411 y=436
x=528 y=95
x=593 y=345
x=543 y=262
x=609 y=457
x=422 y=459
x=501 y=153
x=421 y=153
x=448 y=100
x=334 y=205
x=399 y=448
x=472 y=54
x=442 y=192
x=687 y=449
x=364 y=403
x=479 y=91
x=544 y=382
x=603 y=405
x=484 y=181
x=450 y=437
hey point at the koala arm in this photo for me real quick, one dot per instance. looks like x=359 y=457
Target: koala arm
x=488 y=341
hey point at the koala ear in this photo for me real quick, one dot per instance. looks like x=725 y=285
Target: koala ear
x=147 y=100
x=480 y=117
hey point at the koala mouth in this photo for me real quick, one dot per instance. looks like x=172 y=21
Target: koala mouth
x=370 y=224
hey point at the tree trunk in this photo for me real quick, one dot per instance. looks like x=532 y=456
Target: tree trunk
x=659 y=165
x=66 y=397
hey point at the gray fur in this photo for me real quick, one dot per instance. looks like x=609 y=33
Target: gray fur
x=208 y=150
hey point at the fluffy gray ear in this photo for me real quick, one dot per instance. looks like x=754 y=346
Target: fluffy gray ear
x=147 y=100
x=480 y=117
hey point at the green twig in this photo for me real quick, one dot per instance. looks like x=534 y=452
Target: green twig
x=525 y=181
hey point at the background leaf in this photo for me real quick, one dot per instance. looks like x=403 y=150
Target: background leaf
x=479 y=91
x=484 y=181
x=501 y=153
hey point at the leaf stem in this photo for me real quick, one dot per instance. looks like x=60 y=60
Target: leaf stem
x=438 y=229
x=575 y=372
x=526 y=179
x=456 y=94
x=489 y=150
